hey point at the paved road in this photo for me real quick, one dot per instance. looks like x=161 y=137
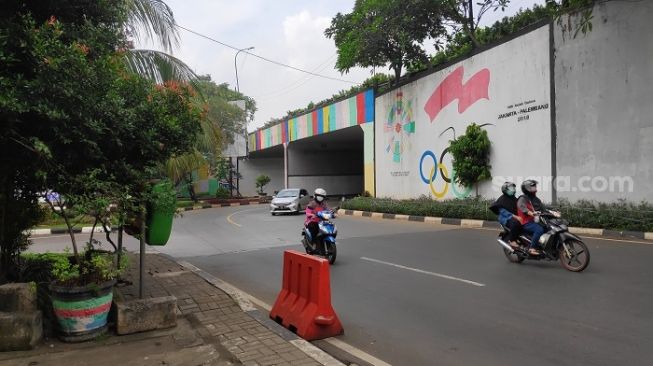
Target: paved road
x=411 y=294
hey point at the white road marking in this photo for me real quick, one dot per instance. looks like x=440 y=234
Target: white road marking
x=440 y=275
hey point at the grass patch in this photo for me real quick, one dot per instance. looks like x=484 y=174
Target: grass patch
x=184 y=204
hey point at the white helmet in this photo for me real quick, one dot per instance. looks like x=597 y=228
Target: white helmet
x=320 y=194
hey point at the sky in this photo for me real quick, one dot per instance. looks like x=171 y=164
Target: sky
x=288 y=31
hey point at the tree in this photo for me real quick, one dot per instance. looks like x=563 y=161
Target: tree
x=154 y=20
x=74 y=119
x=460 y=15
x=385 y=32
x=262 y=181
x=229 y=118
x=471 y=156
x=223 y=120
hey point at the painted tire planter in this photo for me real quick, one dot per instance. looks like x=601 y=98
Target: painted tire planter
x=159 y=218
x=82 y=311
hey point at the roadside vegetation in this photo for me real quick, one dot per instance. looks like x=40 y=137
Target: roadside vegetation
x=620 y=216
x=450 y=27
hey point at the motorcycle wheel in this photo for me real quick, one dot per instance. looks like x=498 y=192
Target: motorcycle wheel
x=513 y=257
x=307 y=246
x=580 y=256
x=332 y=251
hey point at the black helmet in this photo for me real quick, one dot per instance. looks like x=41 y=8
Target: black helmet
x=506 y=186
x=529 y=186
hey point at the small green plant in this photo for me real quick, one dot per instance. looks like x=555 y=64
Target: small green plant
x=95 y=267
x=163 y=196
x=261 y=181
x=471 y=156
x=222 y=192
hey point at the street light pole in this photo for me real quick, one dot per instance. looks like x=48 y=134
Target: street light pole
x=236 y=65
x=231 y=169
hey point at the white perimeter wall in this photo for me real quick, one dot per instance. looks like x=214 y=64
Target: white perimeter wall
x=519 y=78
x=604 y=105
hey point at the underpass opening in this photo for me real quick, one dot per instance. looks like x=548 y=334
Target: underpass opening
x=268 y=162
x=333 y=161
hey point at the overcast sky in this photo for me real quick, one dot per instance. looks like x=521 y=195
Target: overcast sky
x=288 y=31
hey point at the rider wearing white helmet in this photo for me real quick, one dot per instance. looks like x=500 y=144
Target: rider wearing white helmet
x=316 y=205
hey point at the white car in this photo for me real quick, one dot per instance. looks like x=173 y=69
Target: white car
x=291 y=200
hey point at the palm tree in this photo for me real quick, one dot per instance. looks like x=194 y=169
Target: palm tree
x=154 y=20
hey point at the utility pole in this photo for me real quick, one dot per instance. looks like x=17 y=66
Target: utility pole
x=231 y=179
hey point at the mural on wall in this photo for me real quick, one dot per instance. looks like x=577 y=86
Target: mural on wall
x=368 y=158
x=399 y=125
x=452 y=88
x=506 y=89
x=439 y=170
x=354 y=111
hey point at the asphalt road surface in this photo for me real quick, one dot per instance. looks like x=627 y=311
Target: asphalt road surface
x=423 y=294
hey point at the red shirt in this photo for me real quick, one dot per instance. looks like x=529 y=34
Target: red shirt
x=523 y=216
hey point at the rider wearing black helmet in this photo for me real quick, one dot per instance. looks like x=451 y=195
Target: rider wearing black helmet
x=527 y=205
x=506 y=207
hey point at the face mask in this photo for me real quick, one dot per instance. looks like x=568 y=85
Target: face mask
x=510 y=191
x=319 y=198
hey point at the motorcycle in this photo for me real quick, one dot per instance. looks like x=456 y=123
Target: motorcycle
x=557 y=243
x=324 y=244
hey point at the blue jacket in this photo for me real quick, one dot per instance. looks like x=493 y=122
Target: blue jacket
x=504 y=216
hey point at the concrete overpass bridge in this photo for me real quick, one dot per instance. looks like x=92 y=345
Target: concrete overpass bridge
x=330 y=147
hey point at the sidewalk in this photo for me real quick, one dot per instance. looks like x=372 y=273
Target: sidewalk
x=213 y=329
x=215 y=314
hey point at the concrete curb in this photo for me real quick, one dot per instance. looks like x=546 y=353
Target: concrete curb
x=88 y=229
x=469 y=223
x=246 y=306
x=205 y=206
x=77 y=230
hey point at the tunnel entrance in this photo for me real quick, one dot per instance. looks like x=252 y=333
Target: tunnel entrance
x=333 y=161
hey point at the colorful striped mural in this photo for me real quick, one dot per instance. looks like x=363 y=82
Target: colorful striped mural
x=356 y=110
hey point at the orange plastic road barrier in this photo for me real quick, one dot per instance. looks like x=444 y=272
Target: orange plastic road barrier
x=304 y=303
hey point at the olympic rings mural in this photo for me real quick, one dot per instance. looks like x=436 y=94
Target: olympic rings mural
x=438 y=166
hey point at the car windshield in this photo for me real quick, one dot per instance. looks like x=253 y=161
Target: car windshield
x=286 y=193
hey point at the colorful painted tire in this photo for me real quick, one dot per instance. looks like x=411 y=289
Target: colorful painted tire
x=82 y=311
x=159 y=221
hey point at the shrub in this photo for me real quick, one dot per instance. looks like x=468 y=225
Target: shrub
x=619 y=215
x=261 y=181
x=471 y=156
x=222 y=192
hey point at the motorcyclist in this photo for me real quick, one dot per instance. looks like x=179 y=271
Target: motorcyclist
x=317 y=204
x=528 y=205
x=506 y=208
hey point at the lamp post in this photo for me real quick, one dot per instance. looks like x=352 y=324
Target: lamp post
x=236 y=65
x=231 y=179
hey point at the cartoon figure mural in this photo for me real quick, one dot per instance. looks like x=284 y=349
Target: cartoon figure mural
x=399 y=125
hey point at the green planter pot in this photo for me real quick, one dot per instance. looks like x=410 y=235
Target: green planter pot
x=82 y=311
x=159 y=220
